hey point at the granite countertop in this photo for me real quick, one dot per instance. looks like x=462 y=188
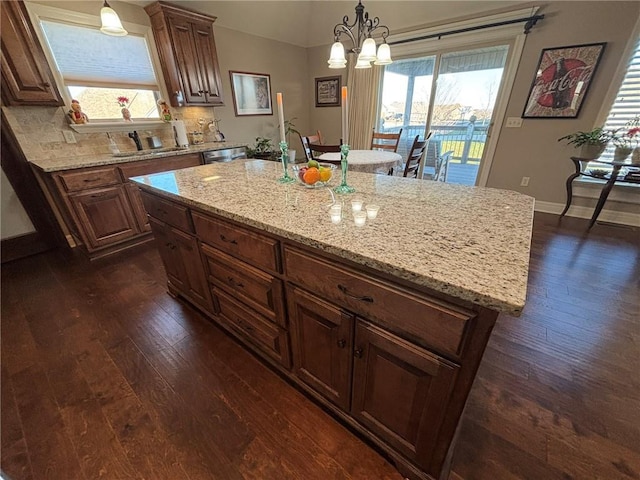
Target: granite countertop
x=71 y=163
x=468 y=242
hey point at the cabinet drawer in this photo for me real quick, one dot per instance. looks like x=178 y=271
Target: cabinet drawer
x=248 y=246
x=428 y=321
x=258 y=289
x=268 y=337
x=83 y=180
x=175 y=215
x=148 y=167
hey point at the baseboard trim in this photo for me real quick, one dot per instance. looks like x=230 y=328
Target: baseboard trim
x=22 y=246
x=610 y=216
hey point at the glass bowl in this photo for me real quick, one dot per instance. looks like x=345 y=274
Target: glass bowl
x=314 y=180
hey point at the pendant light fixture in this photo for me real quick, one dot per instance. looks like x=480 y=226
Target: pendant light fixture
x=363 y=44
x=111 y=24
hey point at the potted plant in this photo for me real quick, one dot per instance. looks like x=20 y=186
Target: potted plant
x=290 y=128
x=625 y=140
x=591 y=144
x=263 y=149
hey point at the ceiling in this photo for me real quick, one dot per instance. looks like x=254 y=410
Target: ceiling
x=309 y=23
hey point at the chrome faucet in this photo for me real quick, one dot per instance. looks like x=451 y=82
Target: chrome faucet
x=134 y=136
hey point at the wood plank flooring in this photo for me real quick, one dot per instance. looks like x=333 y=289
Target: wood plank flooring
x=105 y=376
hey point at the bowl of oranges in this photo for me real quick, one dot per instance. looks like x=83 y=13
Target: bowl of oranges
x=313 y=174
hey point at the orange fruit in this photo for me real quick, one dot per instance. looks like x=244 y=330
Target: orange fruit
x=325 y=174
x=311 y=176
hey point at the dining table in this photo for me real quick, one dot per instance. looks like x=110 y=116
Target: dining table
x=368 y=161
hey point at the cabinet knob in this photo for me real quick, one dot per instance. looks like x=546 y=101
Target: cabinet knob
x=357 y=353
x=342 y=343
x=225 y=239
x=46 y=85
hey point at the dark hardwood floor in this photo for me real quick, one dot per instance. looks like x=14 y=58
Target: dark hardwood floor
x=104 y=375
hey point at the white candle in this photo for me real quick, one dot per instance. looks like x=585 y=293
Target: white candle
x=345 y=117
x=356 y=205
x=280 y=116
x=372 y=211
x=360 y=218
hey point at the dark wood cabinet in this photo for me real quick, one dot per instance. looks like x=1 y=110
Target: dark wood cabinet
x=322 y=343
x=105 y=216
x=181 y=257
x=186 y=46
x=400 y=391
x=27 y=78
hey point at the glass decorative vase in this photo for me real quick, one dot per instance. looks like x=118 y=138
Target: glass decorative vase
x=284 y=157
x=344 y=165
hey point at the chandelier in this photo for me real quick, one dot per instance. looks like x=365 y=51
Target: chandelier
x=360 y=34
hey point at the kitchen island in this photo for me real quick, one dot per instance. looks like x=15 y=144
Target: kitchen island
x=385 y=324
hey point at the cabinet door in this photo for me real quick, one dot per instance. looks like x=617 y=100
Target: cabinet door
x=187 y=58
x=104 y=216
x=322 y=339
x=208 y=60
x=182 y=262
x=400 y=391
x=26 y=76
x=137 y=206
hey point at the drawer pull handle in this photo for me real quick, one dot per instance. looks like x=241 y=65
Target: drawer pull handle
x=225 y=239
x=171 y=246
x=160 y=210
x=248 y=328
x=98 y=195
x=89 y=180
x=357 y=353
x=364 y=298
x=342 y=343
x=46 y=85
x=234 y=283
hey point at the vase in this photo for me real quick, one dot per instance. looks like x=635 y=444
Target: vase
x=126 y=114
x=635 y=156
x=344 y=165
x=621 y=153
x=590 y=152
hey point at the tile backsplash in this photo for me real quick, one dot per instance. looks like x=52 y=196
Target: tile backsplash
x=39 y=132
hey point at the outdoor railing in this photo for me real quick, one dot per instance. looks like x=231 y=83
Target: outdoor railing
x=466 y=141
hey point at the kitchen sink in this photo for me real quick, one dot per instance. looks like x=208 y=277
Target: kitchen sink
x=155 y=151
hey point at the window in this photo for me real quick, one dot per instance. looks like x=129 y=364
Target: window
x=626 y=104
x=96 y=69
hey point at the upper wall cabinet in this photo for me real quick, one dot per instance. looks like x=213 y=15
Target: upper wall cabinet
x=26 y=76
x=187 y=50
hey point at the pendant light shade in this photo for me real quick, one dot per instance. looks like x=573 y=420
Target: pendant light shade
x=337 y=59
x=384 y=55
x=362 y=62
x=111 y=24
x=368 y=52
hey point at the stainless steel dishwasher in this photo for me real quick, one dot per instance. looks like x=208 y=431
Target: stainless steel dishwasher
x=224 y=155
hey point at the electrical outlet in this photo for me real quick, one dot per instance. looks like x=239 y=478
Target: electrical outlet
x=524 y=182
x=513 y=122
x=68 y=136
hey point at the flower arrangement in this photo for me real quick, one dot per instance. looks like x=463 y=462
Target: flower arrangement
x=122 y=101
x=630 y=136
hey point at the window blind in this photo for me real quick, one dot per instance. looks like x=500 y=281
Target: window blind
x=86 y=56
x=627 y=103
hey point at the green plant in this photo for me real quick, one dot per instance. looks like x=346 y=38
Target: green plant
x=597 y=136
x=598 y=172
x=262 y=148
x=289 y=128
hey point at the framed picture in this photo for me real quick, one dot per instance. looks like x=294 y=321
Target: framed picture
x=562 y=81
x=328 y=91
x=251 y=93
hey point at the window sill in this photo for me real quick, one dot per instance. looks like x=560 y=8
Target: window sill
x=97 y=127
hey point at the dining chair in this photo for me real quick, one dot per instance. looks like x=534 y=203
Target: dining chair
x=442 y=168
x=316 y=148
x=415 y=156
x=385 y=141
x=315 y=139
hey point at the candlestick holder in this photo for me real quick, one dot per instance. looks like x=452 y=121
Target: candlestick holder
x=344 y=165
x=284 y=157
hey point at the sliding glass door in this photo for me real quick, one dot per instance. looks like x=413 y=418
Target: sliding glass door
x=452 y=95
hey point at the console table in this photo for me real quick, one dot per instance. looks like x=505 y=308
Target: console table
x=611 y=180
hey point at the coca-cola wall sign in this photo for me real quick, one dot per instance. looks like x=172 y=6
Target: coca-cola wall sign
x=562 y=80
